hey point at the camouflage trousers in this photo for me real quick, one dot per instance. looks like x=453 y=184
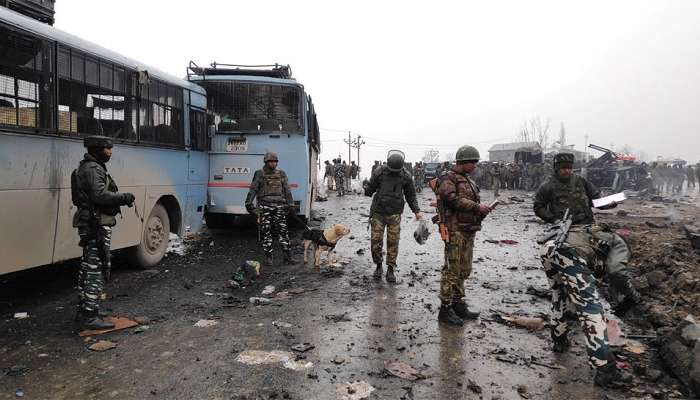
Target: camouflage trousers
x=95 y=263
x=340 y=184
x=459 y=252
x=575 y=295
x=392 y=223
x=273 y=221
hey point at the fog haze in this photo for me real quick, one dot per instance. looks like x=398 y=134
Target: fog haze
x=415 y=75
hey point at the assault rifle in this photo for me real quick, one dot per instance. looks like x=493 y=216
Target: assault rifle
x=559 y=231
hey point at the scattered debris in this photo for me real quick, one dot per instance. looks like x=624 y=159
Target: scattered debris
x=246 y=272
x=297 y=365
x=403 y=371
x=142 y=328
x=657 y=225
x=680 y=351
x=354 y=391
x=303 y=347
x=16 y=370
x=509 y=241
x=337 y=360
x=205 y=323
x=119 y=324
x=489 y=285
x=259 y=301
x=543 y=293
x=693 y=234
x=19 y=393
x=175 y=245
x=102 y=345
x=281 y=324
x=515 y=199
x=257 y=357
x=471 y=385
x=360 y=252
x=268 y=290
x=531 y=323
x=21 y=315
x=338 y=317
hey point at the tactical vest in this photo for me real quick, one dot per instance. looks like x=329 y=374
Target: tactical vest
x=389 y=198
x=461 y=220
x=272 y=187
x=571 y=195
x=88 y=213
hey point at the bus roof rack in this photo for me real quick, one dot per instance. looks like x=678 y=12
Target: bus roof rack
x=271 y=71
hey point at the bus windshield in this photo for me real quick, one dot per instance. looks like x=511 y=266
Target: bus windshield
x=254 y=107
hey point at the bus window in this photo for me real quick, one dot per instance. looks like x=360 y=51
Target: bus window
x=160 y=109
x=252 y=107
x=26 y=97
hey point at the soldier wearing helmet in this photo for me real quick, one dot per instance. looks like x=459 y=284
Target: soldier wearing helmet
x=274 y=198
x=96 y=196
x=390 y=185
x=589 y=251
x=460 y=213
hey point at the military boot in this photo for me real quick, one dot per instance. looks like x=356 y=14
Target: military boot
x=447 y=315
x=268 y=260
x=390 y=277
x=462 y=310
x=610 y=376
x=92 y=321
x=561 y=343
x=378 y=272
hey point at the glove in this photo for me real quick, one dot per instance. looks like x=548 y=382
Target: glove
x=128 y=199
x=251 y=210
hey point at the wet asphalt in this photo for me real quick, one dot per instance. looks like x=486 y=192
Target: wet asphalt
x=356 y=325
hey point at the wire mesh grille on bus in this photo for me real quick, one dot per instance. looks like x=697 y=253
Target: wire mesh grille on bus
x=252 y=107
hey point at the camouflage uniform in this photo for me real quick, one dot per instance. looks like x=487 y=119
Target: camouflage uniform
x=328 y=175
x=95 y=194
x=271 y=188
x=459 y=199
x=389 y=189
x=590 y=251
x=339 y=178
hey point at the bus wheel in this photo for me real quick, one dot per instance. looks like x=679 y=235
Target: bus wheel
x=155 y=238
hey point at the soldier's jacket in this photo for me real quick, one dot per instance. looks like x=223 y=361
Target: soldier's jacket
x=389 y=190
x=99 y=201
x=459 y=196
x=329 y=170
x=270 y=187
x=554 y=196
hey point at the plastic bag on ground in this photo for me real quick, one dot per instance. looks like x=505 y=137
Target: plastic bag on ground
x=422 y=232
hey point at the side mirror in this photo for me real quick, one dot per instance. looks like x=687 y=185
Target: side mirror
x=211 y=130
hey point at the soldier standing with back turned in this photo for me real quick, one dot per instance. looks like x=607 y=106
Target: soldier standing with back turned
x=96 y=196
x=390 y=184
x=590 y=250
x=460 y=215
x=271 y=188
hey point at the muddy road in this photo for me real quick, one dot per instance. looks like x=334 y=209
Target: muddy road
x=354 y=324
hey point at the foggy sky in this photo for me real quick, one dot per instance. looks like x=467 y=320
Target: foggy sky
x=412 y=75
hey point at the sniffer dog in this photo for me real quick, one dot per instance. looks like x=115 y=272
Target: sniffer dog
x=323 y=240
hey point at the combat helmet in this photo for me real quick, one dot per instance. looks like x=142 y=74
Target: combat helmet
x=563 y=158
x=395 y=160
x=467 y=153
x=98 y=141
x=270 y=156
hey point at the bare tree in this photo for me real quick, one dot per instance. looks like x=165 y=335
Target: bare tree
x=431 y=156
x=450 y=157
x=535 y=130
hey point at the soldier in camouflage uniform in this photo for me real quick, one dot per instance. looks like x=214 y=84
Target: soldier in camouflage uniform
x=271 y=188
x=339 y=177
x=95 y=194
x=590 y=251
x=460 y=213
x=390 y=184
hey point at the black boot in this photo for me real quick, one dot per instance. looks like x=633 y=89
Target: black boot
x=268 y=260
x=92 y=321
x=447 y=315
x=390 y=277
x=463 y=312
x=609 y=376
x=378 y=272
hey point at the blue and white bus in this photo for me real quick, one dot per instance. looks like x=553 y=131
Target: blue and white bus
x=256 y=109
x=56 y=89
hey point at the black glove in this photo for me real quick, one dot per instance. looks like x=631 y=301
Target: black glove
x=251 y=210
x=128 y=199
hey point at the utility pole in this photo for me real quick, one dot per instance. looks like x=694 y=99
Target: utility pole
x=357 y=144
x=349 y=142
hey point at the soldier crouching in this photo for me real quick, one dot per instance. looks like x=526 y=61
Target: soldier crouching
x=590 y=251
x=96 y=196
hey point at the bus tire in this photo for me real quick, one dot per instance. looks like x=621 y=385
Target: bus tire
x=154 y=241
